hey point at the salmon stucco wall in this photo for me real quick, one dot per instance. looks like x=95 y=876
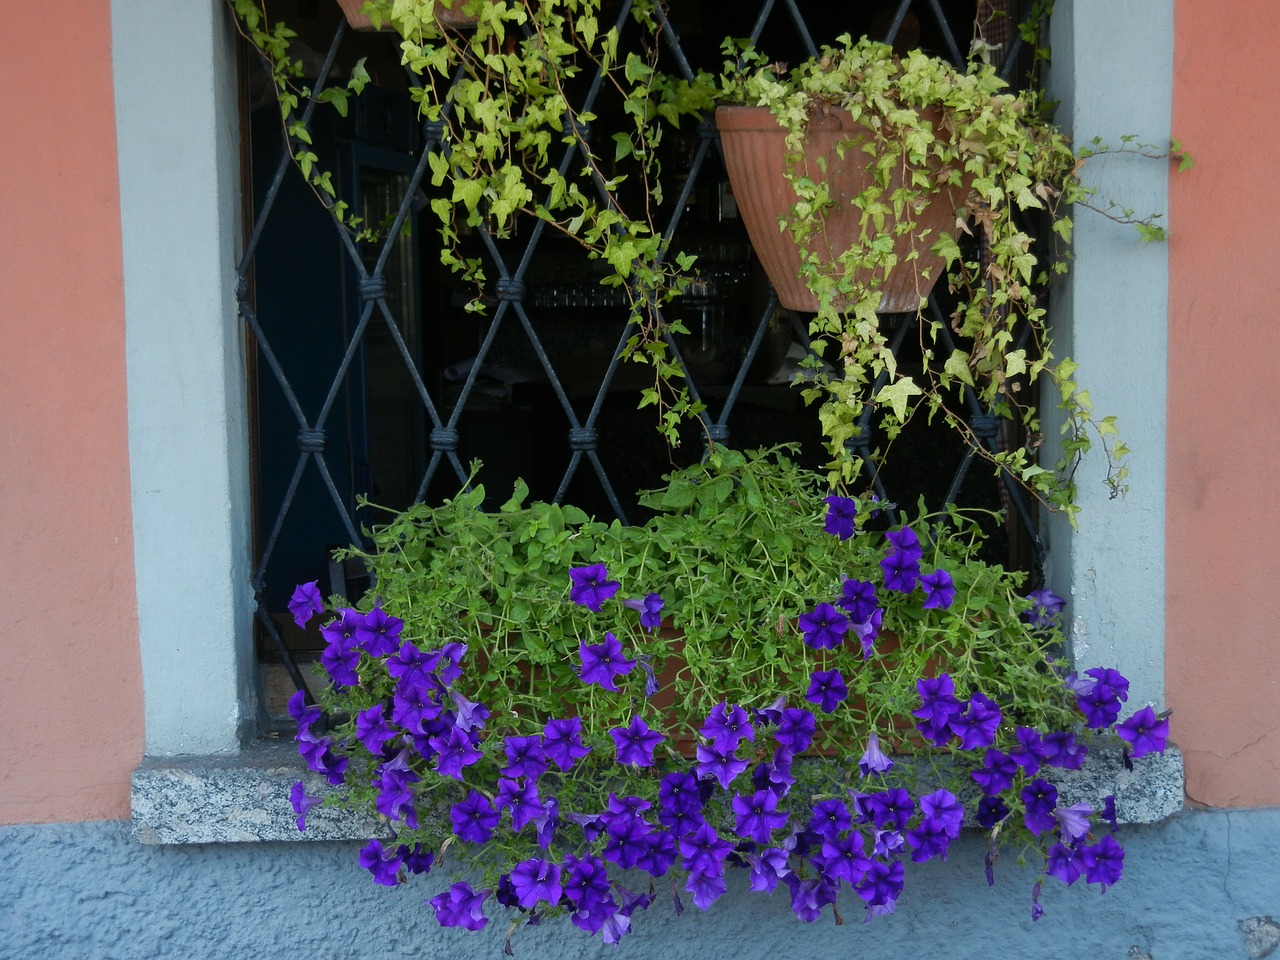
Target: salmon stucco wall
x=70 y=672
x=1222 y=656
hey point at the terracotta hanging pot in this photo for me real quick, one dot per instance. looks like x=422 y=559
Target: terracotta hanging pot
x=446 y=17
x=755 y=156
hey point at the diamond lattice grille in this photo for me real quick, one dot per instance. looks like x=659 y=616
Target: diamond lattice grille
x=372 y=380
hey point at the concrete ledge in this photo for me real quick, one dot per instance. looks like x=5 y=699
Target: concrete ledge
x=244 y=797
x=236 y=798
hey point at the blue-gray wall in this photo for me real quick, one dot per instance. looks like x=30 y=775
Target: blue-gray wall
x=89 y=891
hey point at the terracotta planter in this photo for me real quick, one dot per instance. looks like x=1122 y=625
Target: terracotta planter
x=452 y=19
x=755 y=158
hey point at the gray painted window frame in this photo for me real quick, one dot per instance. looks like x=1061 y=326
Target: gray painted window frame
x=178 y=128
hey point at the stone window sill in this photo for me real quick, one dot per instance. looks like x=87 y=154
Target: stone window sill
x=244 y=797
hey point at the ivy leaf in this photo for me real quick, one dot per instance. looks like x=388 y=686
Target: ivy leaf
x=898 y=396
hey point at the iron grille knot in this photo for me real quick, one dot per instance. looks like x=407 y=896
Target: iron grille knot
x=574 y=127
x=373 y=288
x=717 y=433
x=582 y=438
x=311 y=441
x=509 y=288
x=984 y=426
x=444 y=439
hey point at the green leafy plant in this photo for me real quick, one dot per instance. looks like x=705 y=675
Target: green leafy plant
x=503 y=95
x=571 y=710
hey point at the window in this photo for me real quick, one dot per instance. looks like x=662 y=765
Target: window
x=190 y=446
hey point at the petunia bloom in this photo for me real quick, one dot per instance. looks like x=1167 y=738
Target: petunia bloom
x=939 y=590
x=591 y=586
x=842 y=516
x=601 y=662
x=901 y=571
x=873 y=758
x=562 y=742
x=727 y=725
x=306 y=602
x=302 y=803
x=474 y=818
x=827 y=689
x=460 y=906
x=635 y=743
x=1103 y=862
x=536 y=881
x=1145 y=732
x=650 y=609
x=824 y=628
x=1046 y=606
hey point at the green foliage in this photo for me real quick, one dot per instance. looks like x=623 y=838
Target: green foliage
x=933 y=133
x=501 y=92
x=737 y=551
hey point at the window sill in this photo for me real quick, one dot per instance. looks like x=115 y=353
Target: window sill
x=244 y=797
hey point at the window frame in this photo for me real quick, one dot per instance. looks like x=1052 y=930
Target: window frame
x=175 y=70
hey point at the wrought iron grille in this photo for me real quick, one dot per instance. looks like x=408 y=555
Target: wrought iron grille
x=369 y=379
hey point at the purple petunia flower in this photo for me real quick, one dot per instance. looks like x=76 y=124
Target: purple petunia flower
x=727 y=725
x=454 y=751
x=827 y=689
x=1046 y=606
x=901 y=571
x=1039 y=797
x=525 y=757
x=767 y=868
x=378 y=633
x=635 y=743
x=706 y=888
x=302 y=803
x=306 y=602
x=474 y=818
x=704 y=852
x=997 y=773
x=1100 y=696
x=562 y=742
x=939 y=590
x=522 y=799
x=1145 y=732
x=796 y=729
x=887 y=809
x=943 y=809
x=1103 y=862
x=372 y=729
x=842 y=516
x=809 y=896
x=383 y=862
x=601 y=662
x=843 y=858
x=867 y=631
x=830 y=818
x=1031 y=750
x=460 y=906
x=1073 y=821
x=873 y=758
x=859 y=599
x=535 y=881
x=340 y=659
x=758 y=816
x=824 y=628
x=991 y=810
x=650 y=609
x=976 y=725
x=591 y=586
x=905 y=542
x=721 y=765
x=1063 y=863
x=938 y=704
x=882 y=884
x=1064 y=751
